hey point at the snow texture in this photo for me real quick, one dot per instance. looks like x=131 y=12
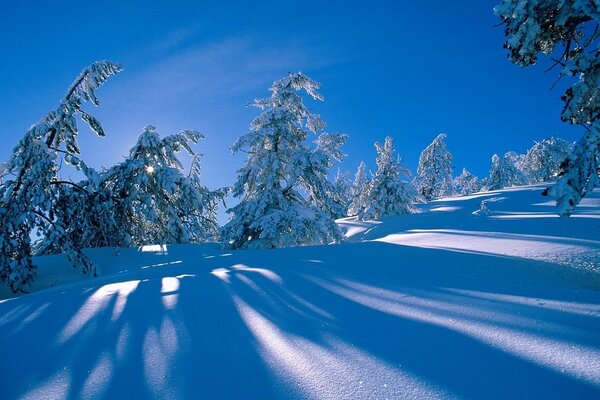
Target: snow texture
x=438 y=304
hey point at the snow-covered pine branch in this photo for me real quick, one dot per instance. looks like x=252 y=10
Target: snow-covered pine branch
x=567 y=31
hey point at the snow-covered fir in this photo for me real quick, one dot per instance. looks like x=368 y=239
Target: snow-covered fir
x=543 y=160
x=28 y=195
x=466 y=183
x=342 y=192
x=285 y=197
x=504 y=172
x=434 y=174
x=156 y=201
x=388 y=193
x=359 y=190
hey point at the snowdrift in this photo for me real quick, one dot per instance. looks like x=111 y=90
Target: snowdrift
x=440 y=304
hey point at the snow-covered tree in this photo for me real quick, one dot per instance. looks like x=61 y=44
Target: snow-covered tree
x=580 y=172
x=387 y=194
x=342 y=192
x=358 y=191
x=567 y=31
x=146 y=199
x=160 y=203
x=504 y=173
x=543 y=160
x=283 y=186
x=3 y=171
x=434 y=174
x=30 y=189
x=466 y=183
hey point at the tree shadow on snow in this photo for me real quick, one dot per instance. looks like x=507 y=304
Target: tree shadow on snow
x=410 y=323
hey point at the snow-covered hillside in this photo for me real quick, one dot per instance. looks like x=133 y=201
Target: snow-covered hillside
x=441 y=304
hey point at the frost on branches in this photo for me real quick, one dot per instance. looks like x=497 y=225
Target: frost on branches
x=358 y=191
x=342 y=193
x=504 y=172
x=543 y=160
x=570 y=30
x=387 y=194
x=285 y=195
x=146 y=199
x=580 y=172
x=29 y=191
x=158 y=203
x=434 y=174
x=466 y=183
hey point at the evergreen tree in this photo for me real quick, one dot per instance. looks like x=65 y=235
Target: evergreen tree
x=387 y=194
x=146 y=199
x=543 y=160
x=434 y=174
x=28 y=196
x=466 y=183
x=504 y=173
x=285 y=194
x=358 y=192
x=341 y=193
x=567 y=31
x=580 y=172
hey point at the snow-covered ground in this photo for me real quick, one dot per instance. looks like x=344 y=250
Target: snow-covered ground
x=442 y=304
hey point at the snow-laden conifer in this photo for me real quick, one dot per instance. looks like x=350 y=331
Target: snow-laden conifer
x=31 y=186
x=342 y=192
x=146 y=199
x=567 y=31
x=358 y=191
x=466 y=183
x=157 y=201
x=504 y=173
x=283 y=188
x=580 y=173
x=434 y=174
x=387 y=193
x=543 y=160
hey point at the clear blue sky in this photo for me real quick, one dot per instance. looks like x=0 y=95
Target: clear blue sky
x=402 y=68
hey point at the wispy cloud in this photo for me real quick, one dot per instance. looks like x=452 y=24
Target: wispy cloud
x=225 y=69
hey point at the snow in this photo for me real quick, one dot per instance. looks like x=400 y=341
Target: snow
x=438 y=304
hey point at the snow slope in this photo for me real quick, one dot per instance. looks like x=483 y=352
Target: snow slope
x=442 y=304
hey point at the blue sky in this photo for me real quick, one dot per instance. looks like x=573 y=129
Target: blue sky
x=401 y=68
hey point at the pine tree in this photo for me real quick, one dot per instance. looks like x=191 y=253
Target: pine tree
x=158 y=203
x=543 y=160
x=285 y=194
x=504 y=173
x=466 y=183
x=28 y=196
x=580 y=173
x=358 y=191
x=434 y=174
x=569 y=31
x=341 y=193
x=387 y=194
